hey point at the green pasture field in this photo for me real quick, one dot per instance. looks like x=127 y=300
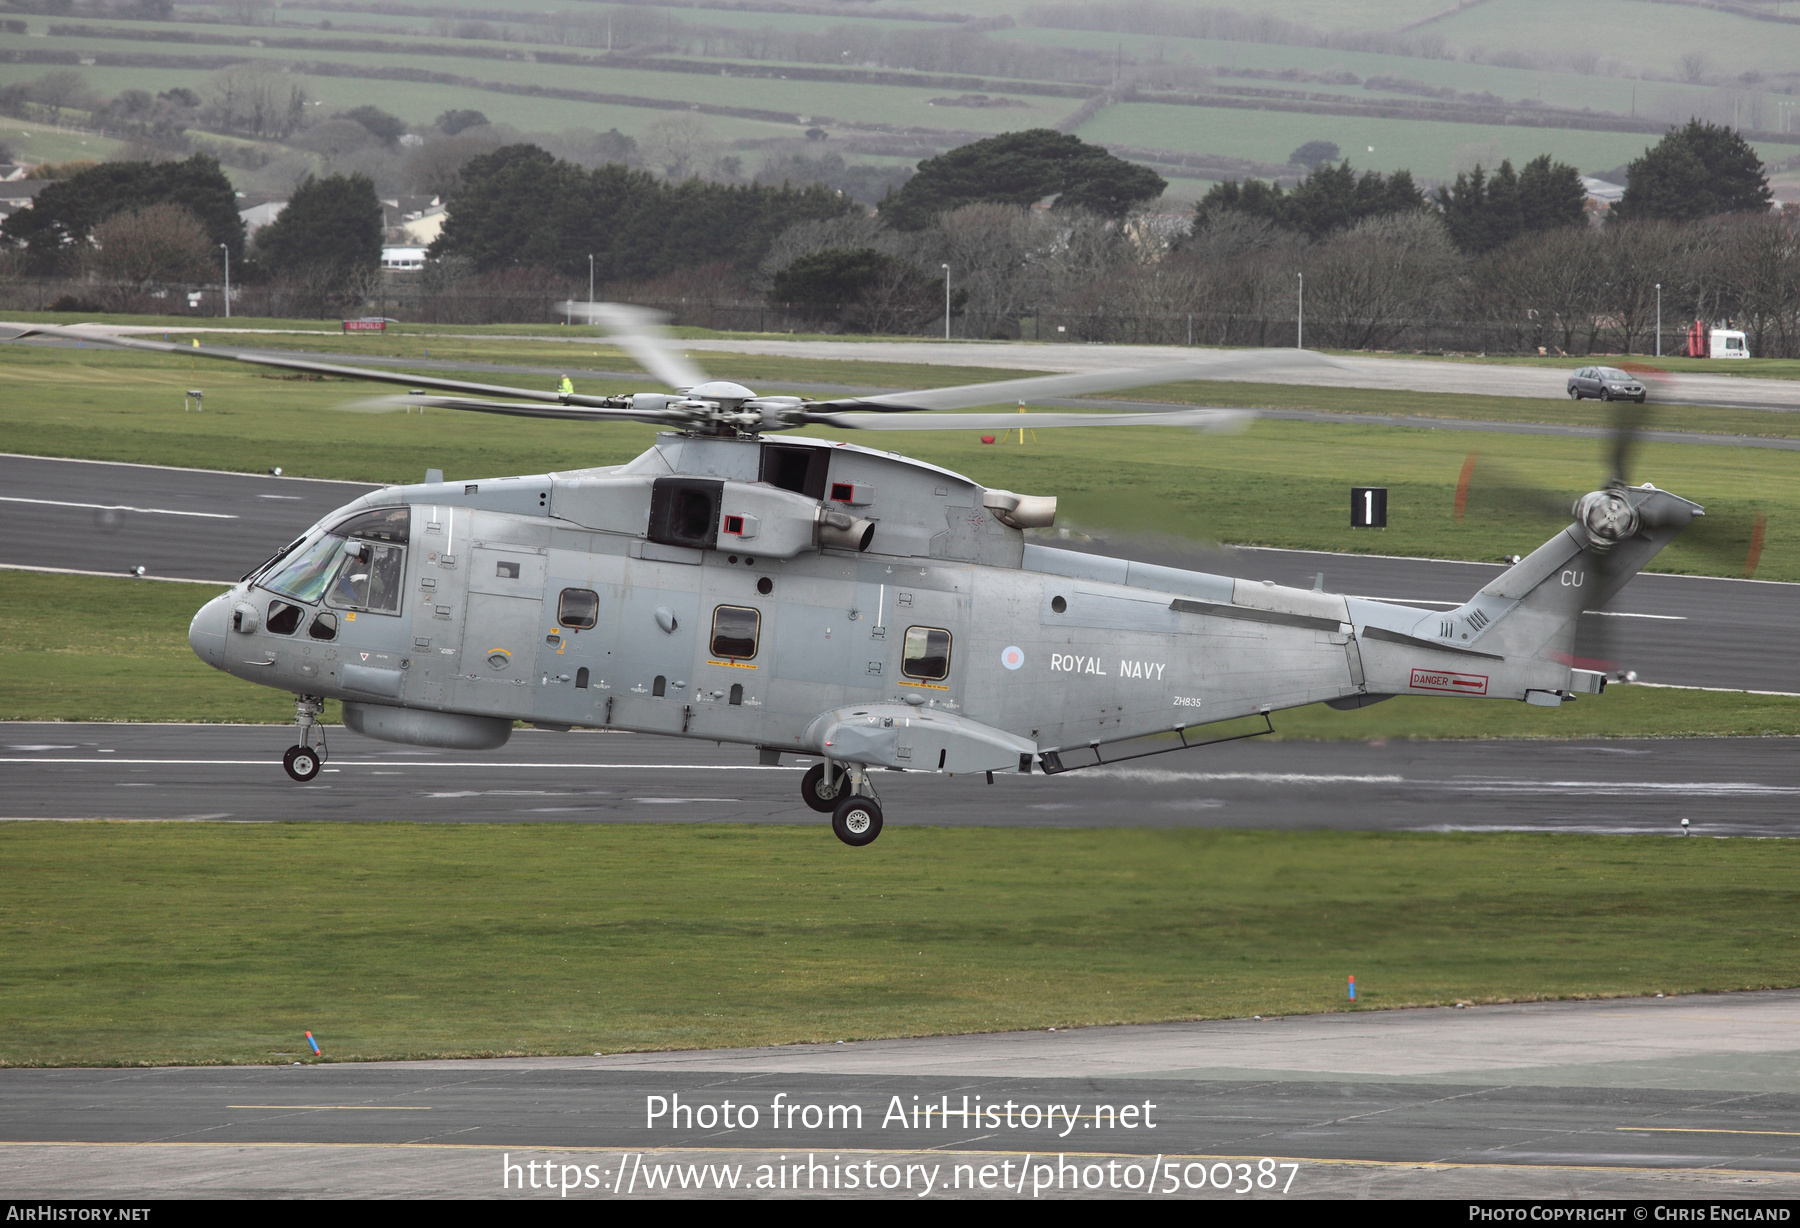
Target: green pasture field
x=1651 y=36
x=1617 y=95
x=37 y=142
x=414 y=102
x=1278 y=483
x=1425 y=147
x=92 y=648
x=208 y=943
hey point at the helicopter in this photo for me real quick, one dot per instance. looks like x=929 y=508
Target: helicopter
x=810 y=597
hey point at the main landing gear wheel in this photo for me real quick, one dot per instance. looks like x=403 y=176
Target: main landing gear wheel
x=816 y=793
x=857 y=820
x=302 y=763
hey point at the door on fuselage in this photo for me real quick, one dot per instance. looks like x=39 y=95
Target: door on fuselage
x=497 y=668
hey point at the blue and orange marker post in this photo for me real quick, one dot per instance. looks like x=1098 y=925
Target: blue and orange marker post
x=1352 y=998
x=315 y=1044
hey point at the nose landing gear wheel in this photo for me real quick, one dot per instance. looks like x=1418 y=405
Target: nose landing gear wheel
x=301 y=762
x=819 y=795
x=857 y=820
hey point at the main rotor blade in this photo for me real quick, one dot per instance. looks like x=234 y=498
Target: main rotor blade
x=639 y=333
x=1205 y=419
x=1033 y=388
x=301 y=364
x=516 y=409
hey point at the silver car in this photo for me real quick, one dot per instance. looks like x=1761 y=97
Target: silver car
x=1607 y=383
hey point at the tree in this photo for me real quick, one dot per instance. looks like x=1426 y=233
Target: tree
x=385 y=128
x=1314 y=154
x=864 y=289
x=521 y=207
x=158 y=243
x=452 y=122
x=57 y=89
x=1693 y=172
x=1021 y=168
x=56 y=229
x=1485 y=213
x=1329 y=199
x=332 y=223
x=1384 y=275
x=251 y=100
x=1550 y=195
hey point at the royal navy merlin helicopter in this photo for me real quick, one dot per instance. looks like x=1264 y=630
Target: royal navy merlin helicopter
x=858 y=607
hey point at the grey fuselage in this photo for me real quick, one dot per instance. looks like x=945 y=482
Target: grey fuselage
x=1050 y=652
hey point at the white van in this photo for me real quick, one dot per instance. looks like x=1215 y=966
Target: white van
x=1728 y=343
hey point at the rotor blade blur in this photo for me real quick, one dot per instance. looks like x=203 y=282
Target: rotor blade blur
x=1495 y=488
x=1043 y=387
x=1629 y=420
x=1203 y=419
x=640 y=333
x=566 y=413
x=316 y=368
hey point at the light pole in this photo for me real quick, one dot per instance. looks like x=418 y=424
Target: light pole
x=227 y=252
x=590 y=277
x=1300 y=316
x=946 y=302
x=1659 y=319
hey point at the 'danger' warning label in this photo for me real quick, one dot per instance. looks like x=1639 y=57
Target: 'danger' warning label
x=1443 y=680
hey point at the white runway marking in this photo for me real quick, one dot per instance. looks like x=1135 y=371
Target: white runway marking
x=119 y=507
x=390 y=763
x=1164 y=776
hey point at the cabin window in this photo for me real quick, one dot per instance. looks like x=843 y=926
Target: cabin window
x=927 y=654
x=735 y=631
x=324 y=627
x=581 y=678
x=284 y=618
x=578 y=608
x=660 y=687
x=737 y=694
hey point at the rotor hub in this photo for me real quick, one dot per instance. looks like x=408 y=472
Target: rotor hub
x=1607 y=517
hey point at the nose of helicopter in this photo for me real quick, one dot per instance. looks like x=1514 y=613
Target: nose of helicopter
x=206 y=634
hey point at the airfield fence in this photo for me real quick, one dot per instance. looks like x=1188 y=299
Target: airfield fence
x=1596 y=336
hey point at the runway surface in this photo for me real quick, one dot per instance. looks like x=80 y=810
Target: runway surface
x=176 y=523
x=1275 y=366
x=1279 y=366
x=1678 y=1097
x=1727 y=391
x=202 y=525
x=1723 y=786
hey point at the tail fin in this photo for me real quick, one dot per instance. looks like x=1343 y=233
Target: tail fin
x=1518 y=634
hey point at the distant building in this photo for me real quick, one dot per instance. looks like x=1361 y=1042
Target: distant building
x=17 y=194
x=412 y=219
x=258 y=216
x=402 y=259
x=1601 y=196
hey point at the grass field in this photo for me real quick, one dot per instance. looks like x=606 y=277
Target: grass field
x=213 y=943
x=1741 y=63
x=1427 y=148
x=87 y=648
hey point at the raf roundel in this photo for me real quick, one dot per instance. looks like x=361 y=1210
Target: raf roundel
x=1012 y=657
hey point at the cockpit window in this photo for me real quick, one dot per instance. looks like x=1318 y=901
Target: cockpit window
x=384 y=524
x=306 y=572
x=359 y=565
x=369 y=578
